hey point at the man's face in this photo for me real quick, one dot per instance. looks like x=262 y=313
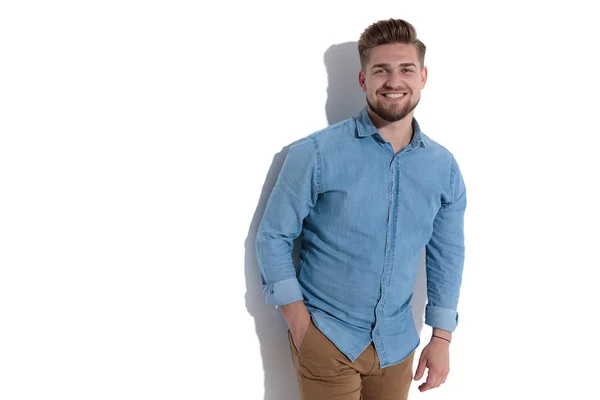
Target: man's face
x=392 y=80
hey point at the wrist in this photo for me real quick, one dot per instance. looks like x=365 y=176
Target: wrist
x=441 y=335
x=295 y=314
x=440 y=339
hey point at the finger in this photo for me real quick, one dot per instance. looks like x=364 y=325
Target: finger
x=433 y=381
x=439 y=378
x=425 y=386
x=420 y=369
x=437 y=381
x=444 y=377
x=442 y=374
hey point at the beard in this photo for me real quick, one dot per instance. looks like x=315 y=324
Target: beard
x=392 y=113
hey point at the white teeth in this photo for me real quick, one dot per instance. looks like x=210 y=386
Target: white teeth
x=394 y=95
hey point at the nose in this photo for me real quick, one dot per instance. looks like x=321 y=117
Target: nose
x=394 y=79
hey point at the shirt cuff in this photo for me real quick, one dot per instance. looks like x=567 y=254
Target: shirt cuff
x=441 y=318
x=283 y=292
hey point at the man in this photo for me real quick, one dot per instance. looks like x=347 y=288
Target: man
x=367 y=194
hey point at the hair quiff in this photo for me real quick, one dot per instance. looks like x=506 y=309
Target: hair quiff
x=386 y=32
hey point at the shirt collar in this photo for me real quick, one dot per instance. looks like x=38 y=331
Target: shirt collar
x=365 y=127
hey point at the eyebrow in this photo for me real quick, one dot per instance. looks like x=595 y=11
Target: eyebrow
x=383 y=65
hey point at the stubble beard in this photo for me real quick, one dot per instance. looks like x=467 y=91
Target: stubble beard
x=392 y=114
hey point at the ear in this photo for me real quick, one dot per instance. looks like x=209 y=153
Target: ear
x=361 y=80
x=423 y=77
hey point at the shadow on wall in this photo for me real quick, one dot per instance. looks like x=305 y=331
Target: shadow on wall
x=344 y=100
x=271 y=329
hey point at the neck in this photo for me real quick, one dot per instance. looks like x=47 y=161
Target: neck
x=399 y=133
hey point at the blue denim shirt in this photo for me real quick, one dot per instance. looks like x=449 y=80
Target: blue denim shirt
x=365 y=215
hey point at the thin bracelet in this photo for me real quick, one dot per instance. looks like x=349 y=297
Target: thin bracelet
x=442 y=338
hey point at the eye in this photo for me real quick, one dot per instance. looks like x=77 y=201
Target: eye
x=407 y=70
x=380 y=71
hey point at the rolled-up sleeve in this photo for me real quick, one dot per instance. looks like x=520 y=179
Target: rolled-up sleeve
x=445 y=255
x=293 y=196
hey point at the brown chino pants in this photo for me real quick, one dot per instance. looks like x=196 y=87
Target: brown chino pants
x=325 y=373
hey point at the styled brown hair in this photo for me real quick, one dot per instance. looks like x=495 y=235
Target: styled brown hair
x=386 y=32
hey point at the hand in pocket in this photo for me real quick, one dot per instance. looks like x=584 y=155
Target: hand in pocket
x=299 y=334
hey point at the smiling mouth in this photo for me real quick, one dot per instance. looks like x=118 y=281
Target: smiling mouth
x=394 y=95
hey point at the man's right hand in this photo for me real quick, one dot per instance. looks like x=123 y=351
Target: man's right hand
x=298 y=320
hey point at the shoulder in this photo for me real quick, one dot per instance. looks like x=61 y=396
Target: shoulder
x=335 y=132
x=448 y=166
x=323 y=138
x=438 y=151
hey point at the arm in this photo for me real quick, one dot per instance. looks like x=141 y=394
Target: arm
x=298 y=319
x=445 y=259
x=294 y=195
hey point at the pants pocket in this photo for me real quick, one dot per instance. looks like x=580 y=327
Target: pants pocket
x=304 y=340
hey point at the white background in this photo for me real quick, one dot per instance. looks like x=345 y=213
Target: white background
x=140 y=141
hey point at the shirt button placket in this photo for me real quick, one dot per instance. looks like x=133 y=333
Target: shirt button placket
x=379 y=312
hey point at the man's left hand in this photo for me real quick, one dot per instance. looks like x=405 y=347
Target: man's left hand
x=435 y=357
